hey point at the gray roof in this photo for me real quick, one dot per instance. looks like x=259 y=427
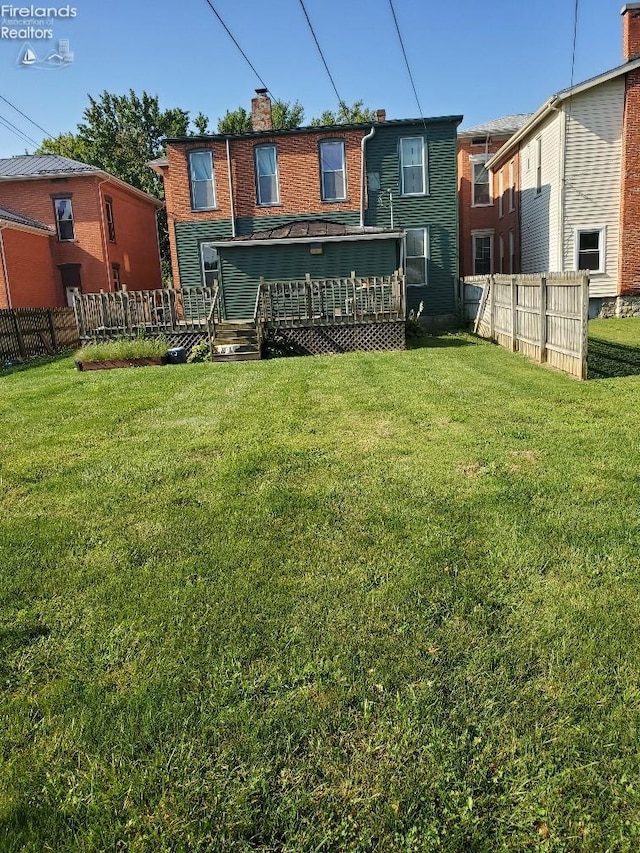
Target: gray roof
x=310 y=228
x=34 y=165
x=20 y=219
x=504 y=126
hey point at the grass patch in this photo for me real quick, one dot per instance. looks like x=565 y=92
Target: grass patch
x=614 y=348
x=375 y=602
x=124 y=348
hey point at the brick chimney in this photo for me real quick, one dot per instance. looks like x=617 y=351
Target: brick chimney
x=630 y=31
x=261 y=110
x=381 y=115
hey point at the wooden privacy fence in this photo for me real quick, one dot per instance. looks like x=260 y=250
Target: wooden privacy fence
x=544 y=316
x=332 y=301
x=148 y=312
x=29 y=332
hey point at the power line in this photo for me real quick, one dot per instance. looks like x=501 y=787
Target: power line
x=233 y=39
x=16 y=131
x=404 y=53
x=575 y=36
x=340 y=101
x=24 y=115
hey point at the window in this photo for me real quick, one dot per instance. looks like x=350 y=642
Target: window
x=334 y=185
x=412 y=166
x=512 y=252
x=538 y=165
x=501 y=253
x=203 y=189
x=70 y=277
x=482 y=252
x=500 y=193
x=590 y=249
x=210 y=265
x=267 y=174
x=481 y=194
x=479 y=140
x=111 y=229
x=417 y=254
x=64 y=218
x=115 y=277
x=512 y=186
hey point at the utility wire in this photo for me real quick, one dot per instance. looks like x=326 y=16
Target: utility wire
x=315 y=38
x=234 y=40
x=575 y=36
x=406 y=61
x=24 y=115
x=16 y=131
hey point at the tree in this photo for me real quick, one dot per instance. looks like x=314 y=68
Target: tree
x=284 y=116
x=201 y=123
x=357 y=113
x=120 y=134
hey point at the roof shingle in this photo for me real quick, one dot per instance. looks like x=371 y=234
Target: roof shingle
x=33 y=165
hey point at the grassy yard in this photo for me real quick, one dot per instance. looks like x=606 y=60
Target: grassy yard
x=376 y=602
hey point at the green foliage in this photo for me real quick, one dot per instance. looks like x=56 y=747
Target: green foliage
x=66 y=145
x=124 y=348
x=201 y=123
x=284 y=115
x=199 y=353
x=235 y=121
x=357 y=113
x=371 y=602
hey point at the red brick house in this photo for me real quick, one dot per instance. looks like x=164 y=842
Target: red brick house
x=65 y=224
x=488 y=203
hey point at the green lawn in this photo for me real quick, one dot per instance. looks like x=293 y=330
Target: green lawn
x=375 y=602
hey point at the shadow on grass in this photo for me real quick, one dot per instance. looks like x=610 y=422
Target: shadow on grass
x=608 y=360
x=420 y=340
x=37 y=361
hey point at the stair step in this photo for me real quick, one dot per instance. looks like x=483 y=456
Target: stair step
x=254 y=355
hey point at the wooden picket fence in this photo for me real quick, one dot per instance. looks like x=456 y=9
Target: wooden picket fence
x=30 y=332
x=543 y=316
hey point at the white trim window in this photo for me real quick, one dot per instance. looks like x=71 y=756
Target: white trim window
x=267 y=175
x=203 y=185
x=417 y=256
x=590 y=249
x=480 y=183
x=64 y=219
x=512 y=252
x=413 y=166
x=538 y=165
x=512 y=186
x=482 y=252
x=210 y=264
x=332 y=170
x=500 y=193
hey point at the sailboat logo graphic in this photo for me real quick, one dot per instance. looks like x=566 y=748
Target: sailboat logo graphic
x=59 y=58
x=29 y=56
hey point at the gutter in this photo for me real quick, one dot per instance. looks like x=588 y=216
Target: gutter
x=105 y=245
x=232 y=209
x=5 y=271
x=548 y=107
x=289 y=241
x=363 y=143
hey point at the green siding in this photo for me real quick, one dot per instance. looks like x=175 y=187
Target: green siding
x=189 y=235
x=242 y=267
x=437 y=211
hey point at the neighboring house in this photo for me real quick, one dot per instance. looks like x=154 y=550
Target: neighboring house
x=488 y=204
x=327 y=201
x=580 y=180
x=92 y=231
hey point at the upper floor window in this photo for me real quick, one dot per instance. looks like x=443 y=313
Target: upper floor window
x=481 y=191
x=539 y=165
x=332 y=170
x=500 y=193
x=413 y=167
x=111 y=228
x=203 y=188
x=512 y=186
x=267 y=174
x=64 y=218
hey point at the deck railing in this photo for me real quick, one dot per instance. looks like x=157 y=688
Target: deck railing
x=149 y=312
x=332 y=301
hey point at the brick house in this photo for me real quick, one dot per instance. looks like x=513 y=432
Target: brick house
x=323 y=201
x=67 y=225
x=579 y=180
x=488 y=203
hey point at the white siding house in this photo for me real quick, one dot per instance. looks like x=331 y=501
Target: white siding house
x=570 y=181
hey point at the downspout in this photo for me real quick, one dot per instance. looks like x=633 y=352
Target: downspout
x=5 y=271
x=363 y=142
x=105 y=245
x=232 y=209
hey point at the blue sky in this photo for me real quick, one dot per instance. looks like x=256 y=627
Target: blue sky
x=481 y=60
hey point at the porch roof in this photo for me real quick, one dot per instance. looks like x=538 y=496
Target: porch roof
x=13 y=219
x=310 y=231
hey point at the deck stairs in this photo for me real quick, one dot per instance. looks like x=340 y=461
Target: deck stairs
x=236 y=340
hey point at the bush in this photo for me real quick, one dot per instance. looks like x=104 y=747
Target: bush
x=200 y=352
x=124 y=348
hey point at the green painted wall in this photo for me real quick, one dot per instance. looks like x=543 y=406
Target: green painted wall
x=189 y=235
x=437 y=211
x=241 y=268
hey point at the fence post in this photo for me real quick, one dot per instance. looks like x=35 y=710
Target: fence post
x=492 y=322
x=52 y=329
x=19 y=338
x=584 y=337
x=307 y=294
x=543 y=319
x=514 y=314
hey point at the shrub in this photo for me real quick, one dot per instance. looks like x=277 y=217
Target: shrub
x=200 y=352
